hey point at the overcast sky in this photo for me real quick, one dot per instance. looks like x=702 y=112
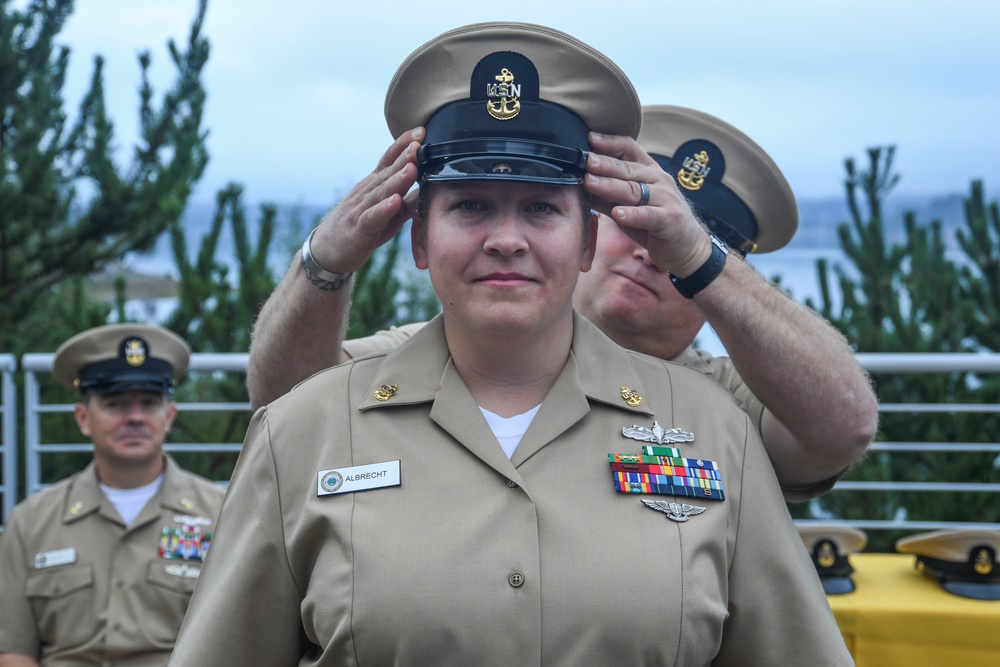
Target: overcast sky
x=296 y=87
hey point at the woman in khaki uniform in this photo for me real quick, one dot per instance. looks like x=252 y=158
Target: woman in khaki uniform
x=453 y=501
x=99 y=568
x=794 y=374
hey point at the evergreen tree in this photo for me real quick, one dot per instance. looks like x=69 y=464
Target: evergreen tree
x=911 y=297
x=66 y=208
x=980 y=280
x=215 y=313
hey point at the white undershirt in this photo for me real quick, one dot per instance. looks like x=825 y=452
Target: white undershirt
x=129 y=502
x=509 y=430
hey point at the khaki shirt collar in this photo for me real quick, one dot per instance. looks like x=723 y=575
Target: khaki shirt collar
x=418 y=367
x=85 y=496
x=696 y=359
x=422 y=371
x=175 y=494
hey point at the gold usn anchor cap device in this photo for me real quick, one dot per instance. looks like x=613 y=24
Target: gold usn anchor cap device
x=830 y=545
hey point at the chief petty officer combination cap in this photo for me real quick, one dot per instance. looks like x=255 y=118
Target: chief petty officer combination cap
x=829 y=545
x=510 y=101
x=963 y=561
x=733 y=185
x=122 y=357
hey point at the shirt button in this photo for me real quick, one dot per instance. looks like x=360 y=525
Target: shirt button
x=516 y=579
x=511 y=483
x=120 y=583
x=116 y=627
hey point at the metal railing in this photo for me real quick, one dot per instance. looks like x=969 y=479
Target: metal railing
x=8 y=434
x=35 y=364
x=914 y=363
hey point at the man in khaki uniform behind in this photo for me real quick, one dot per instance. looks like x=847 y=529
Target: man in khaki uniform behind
x=99 y=568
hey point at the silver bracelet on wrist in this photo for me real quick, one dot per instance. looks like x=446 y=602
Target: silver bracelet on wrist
x=316 y=274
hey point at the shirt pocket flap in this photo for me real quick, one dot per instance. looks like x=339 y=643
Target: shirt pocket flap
x=58 y=582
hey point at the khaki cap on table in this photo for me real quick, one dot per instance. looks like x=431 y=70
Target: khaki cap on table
x=122 y=357
x=733 y=185
x=509 y=101
x=829 y=545
x=964 y=561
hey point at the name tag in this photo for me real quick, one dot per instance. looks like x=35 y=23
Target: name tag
x=53 y=558
x=357 y=478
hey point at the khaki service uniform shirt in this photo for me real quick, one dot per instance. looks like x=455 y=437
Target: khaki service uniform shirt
x=477 y=559
x=720 y=369
x=79 y=587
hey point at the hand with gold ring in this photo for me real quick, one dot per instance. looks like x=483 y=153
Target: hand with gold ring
x=628 y=186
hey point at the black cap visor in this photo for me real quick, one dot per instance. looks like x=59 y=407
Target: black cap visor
x=961 y=578
x=115 y=376
x=971 y=589
x=837 y=585
x=122 y=385
x=502 y=159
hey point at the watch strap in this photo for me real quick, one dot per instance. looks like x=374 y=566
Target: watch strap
x=706 y=273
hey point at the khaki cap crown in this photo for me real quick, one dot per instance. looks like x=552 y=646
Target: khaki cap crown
x=571 y=74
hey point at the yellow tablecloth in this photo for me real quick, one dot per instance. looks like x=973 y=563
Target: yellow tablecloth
x=897 y=616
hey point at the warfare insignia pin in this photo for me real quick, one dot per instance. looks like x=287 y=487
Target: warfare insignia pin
x=192 y=520
x=657 y=434
x=184 y=571
x=679 y=512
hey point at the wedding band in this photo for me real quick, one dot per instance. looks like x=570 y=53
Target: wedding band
x=644 y=197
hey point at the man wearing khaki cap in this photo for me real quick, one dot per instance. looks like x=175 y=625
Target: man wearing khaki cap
x=100 y=567
x=791 y=371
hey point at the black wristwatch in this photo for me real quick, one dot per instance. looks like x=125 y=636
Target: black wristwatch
x=706 y=273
